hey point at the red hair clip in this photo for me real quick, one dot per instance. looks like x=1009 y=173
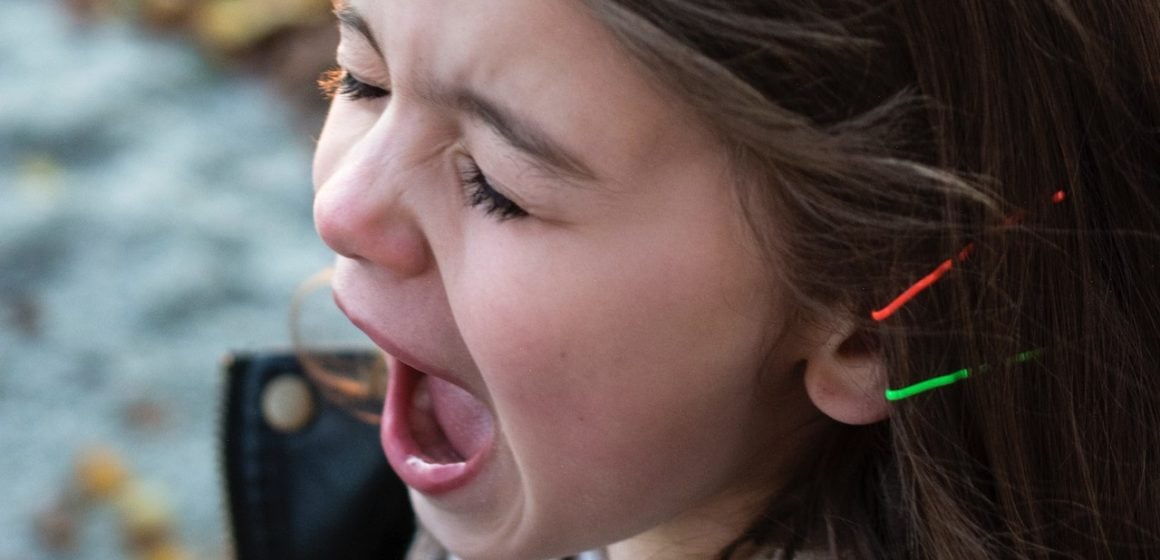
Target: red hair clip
x=943 y=268
x=924 y=283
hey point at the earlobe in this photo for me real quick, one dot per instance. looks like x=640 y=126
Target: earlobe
x=845 y=377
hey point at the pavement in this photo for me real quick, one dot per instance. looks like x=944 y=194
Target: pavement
x=154 y=216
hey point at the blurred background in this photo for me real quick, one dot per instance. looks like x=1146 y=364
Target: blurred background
x=154 y=216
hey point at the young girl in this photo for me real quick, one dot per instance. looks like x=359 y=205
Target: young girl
x=666 y=279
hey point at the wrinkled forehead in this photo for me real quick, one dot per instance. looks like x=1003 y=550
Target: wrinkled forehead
x=548 y=59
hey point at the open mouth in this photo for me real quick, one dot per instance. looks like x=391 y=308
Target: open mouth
x=448 y=424
x=436 y=435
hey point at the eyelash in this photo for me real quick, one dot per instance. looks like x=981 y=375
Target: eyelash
x=341 y=82
x=481 y=194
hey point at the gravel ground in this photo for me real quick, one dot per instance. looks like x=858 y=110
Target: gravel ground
x=154 y=215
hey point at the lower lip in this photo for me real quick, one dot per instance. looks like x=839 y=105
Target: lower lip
x=403 y=452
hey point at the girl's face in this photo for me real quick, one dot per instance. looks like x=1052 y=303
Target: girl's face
x=586 y=344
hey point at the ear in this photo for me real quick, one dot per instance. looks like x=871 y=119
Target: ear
x=845 y=376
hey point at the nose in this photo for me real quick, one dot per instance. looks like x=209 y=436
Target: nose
x=361 y=209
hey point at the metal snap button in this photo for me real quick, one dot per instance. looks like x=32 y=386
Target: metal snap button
x=288 y=404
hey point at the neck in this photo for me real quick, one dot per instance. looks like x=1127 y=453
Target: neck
x=696 y=535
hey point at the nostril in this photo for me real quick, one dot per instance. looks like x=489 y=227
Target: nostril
x=401 y=246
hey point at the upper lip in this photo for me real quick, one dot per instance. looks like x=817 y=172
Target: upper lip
x=389 y=346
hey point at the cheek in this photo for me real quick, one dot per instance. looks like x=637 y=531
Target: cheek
x=614 y=339
x=593 y=402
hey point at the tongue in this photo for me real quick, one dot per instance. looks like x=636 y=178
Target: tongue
x=464 y=420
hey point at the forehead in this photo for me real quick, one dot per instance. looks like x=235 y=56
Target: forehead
x=550 y=60
x=491 y=33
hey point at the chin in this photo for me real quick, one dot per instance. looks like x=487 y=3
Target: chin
x=494 y=543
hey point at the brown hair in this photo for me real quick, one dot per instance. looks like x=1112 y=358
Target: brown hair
x=880 y=137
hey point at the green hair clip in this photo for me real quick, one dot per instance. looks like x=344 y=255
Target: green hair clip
x=953 y=377
x=927 y=281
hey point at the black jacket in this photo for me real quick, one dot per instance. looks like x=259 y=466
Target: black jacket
x=316 y=488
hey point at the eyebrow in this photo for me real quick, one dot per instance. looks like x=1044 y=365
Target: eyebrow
x=519 y=133
x=349 y=18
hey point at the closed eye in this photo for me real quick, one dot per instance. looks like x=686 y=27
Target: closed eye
x=340 y=81
x=481 y=194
